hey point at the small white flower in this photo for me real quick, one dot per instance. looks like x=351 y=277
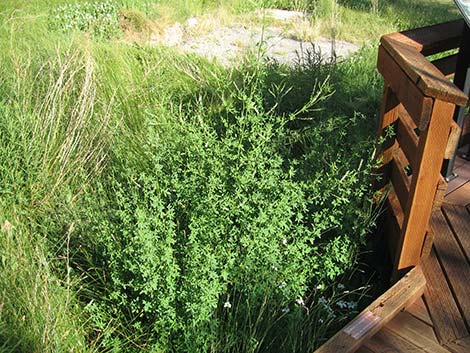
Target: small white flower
x=300 y=301
x=282 y=285
x=284 y=242
x=227 y=305
x=320 y=287
x=285 y=310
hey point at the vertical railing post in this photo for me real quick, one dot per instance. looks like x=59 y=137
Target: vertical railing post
x=418 y=104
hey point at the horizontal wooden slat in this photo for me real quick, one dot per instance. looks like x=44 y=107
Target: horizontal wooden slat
x=432 y=39
x=407 y=138
x=446 y=65
x=452 y=142
x=400 y=180
x=394 y=221
x=395 y=208
x=422 y=73
x=376 y=315
x=415 y=102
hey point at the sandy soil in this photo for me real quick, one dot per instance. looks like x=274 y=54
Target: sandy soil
x=227 y=43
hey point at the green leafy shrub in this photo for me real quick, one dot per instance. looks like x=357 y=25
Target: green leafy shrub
x=209 y=235
x=99 y=18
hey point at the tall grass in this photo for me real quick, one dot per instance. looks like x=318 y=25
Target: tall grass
x=134 y=179
x=52 y=141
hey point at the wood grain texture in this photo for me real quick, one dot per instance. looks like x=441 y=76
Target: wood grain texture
x=447 y=320
x=460 y=196
x=459 y=218
x=400 y=180
x=418 y=309
x=432 y=39
x=459 y=346
x=416 y=331
x=388 y=341
x=406 y=137
x=415 y=102
x=453 y=140
x=364 y=349
x=440 y=192
x=403 y=293
x=453 y=261
x=388 y=115
x=426 y=76
x=423 y=186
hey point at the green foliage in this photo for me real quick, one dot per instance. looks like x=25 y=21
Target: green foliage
x=38 y=311
x=99 y=18
x=220 y=220
x=135 y=19
x=161 y=203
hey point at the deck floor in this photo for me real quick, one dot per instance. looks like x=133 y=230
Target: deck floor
x=440 y=320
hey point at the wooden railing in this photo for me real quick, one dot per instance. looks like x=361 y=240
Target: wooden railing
x=416 y=121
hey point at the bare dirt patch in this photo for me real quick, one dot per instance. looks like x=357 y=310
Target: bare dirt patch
x=227 y=43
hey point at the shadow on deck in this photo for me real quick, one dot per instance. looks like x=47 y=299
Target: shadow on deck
x=439 y=321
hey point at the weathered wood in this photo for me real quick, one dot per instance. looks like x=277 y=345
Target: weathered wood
x=393 y=222
x=447 y=321
x=388 y=341
x=460 y=196
x=388 y=115
x=376 y=315
x=407 y=138
x=400 y=180
x=430 y=81
x=427 y=245
x=416 y=331
x=418 y=309
x=453 y=261
x=460 y=220
x=446 y=65
x=432 y=39
x=440 y=192
x=459 y=346
x=425 y=178
x=415 y=102
x=453 y=140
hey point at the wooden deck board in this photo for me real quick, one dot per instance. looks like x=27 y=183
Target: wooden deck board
x=442 y=308
x=440 y=322
x=418 y=309
x=459 y=346
x=455 y=265
x=388 y=341
x=459 y=217
x=458 y=189
x=416 y=331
